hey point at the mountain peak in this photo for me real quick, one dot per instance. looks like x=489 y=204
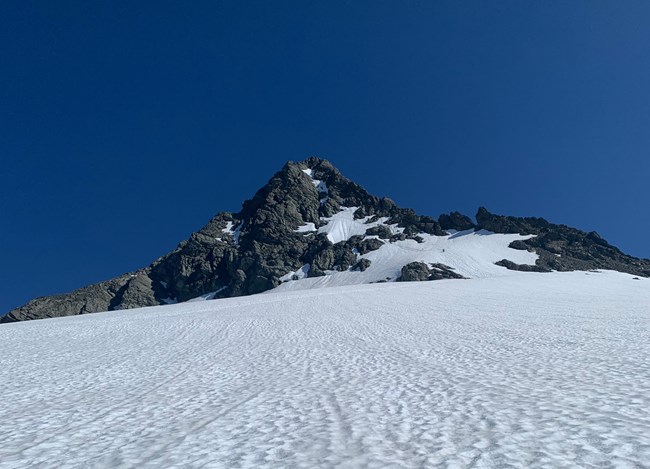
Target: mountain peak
x=312 y=224
x=314 y=162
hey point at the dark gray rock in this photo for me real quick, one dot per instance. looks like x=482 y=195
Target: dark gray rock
x=521 y=267
x=397 y=237
x=501 y=224
x=362 y=265
x=455 y=221
x=414 y=224
x=94 y=298
x=381 y=230
x=519 y=245
x=561 y=247
x=368 y=245
x=420 y=272
x=442 y=271
x=414 y=272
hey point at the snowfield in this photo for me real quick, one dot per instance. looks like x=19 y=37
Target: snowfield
x=469 y=253
x=525 y=370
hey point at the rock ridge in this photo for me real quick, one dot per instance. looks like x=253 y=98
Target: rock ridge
x=278 y=235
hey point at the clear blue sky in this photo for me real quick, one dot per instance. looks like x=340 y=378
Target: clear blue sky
x=125 y=126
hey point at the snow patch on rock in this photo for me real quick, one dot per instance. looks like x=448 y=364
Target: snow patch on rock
x=306 y=228
x=207 y=296
x=321 y=186
x=342 y=225
x=296 y=274
x=234 y=232
x=469 y=253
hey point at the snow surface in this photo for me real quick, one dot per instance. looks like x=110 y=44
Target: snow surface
x=306 y=228
x=530 y=370
x=342 y=225
x=207 y=296
x=470 y=253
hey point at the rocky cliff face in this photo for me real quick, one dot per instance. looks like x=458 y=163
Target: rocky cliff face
x=276 y=233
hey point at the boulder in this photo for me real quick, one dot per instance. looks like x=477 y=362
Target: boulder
x=414 y=272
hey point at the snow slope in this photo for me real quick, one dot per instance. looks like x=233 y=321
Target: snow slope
x=528 y=370
x=470 y=253
x=342 y=225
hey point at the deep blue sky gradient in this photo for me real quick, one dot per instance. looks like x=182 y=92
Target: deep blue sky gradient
x=125 y=126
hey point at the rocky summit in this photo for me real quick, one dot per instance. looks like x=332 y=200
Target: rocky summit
x=309 y=224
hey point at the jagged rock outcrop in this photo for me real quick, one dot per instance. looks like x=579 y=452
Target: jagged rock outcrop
x=420 y=272
x=455 y=221
x=414 y=272
x=98 y=297
x=362 y=265
x=561 y=247
x=508 y=264
x=277 y=236
x=441 y=272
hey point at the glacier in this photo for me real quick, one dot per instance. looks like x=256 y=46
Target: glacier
x=543 y=370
